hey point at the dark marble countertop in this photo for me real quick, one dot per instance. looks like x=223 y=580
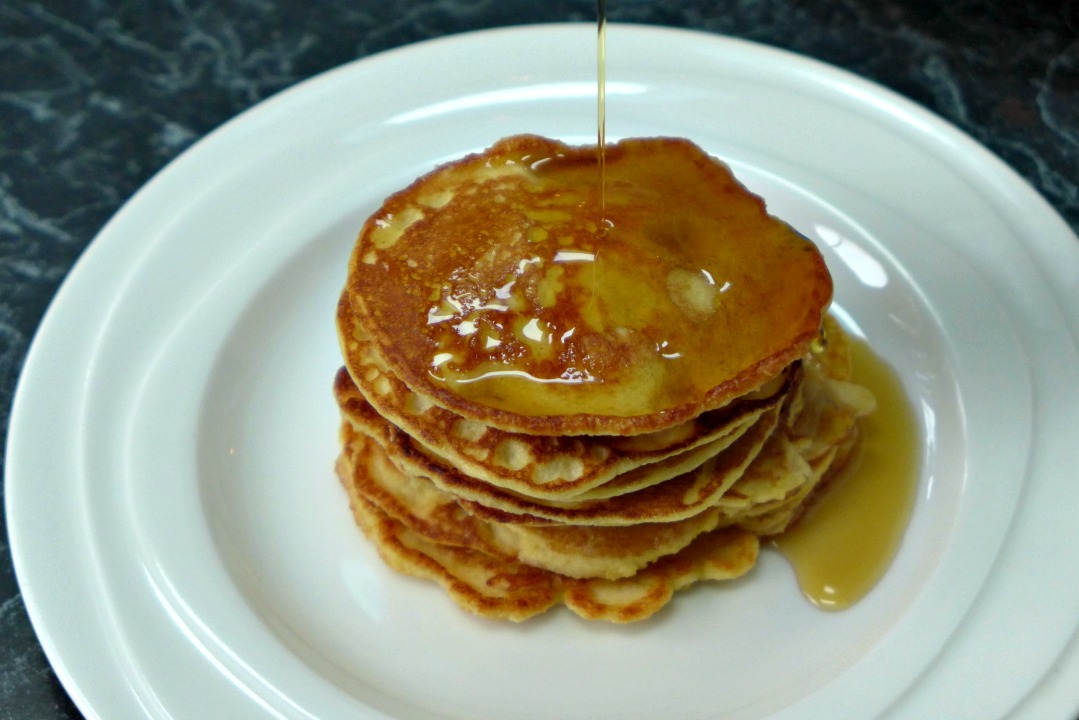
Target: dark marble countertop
x=97 y=96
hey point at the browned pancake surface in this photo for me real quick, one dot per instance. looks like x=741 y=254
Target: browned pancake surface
x=497 y=287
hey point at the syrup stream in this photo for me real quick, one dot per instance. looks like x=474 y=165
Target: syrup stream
x=601 y=67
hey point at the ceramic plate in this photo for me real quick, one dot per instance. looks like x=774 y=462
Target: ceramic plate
x=184 y=548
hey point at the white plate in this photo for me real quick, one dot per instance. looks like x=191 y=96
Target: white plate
x=184 y=549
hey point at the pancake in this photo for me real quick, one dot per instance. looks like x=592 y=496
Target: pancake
x=599 y=477
x=573 y=550
x=497 y=587
x=537 y=466
x=496 y=287
x=507 y=590
x=552 y=398
x=685 y=490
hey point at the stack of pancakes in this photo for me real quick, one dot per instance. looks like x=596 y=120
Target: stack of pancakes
x=566 y=389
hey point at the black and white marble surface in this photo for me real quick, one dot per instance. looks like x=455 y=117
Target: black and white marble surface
x=96 y=96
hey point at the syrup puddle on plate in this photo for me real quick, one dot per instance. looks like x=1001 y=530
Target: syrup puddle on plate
x=847 y=541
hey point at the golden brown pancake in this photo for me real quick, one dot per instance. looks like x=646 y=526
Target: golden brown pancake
x=496 y=287
x=687 y=490
x=573 y=550
x=534 y=465
x=501 y=588
x=548 y=398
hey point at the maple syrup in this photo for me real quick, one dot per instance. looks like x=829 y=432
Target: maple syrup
x=601 y=102
x=845 y=544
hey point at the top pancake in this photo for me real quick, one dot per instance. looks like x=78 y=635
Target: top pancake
x=498 y=287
